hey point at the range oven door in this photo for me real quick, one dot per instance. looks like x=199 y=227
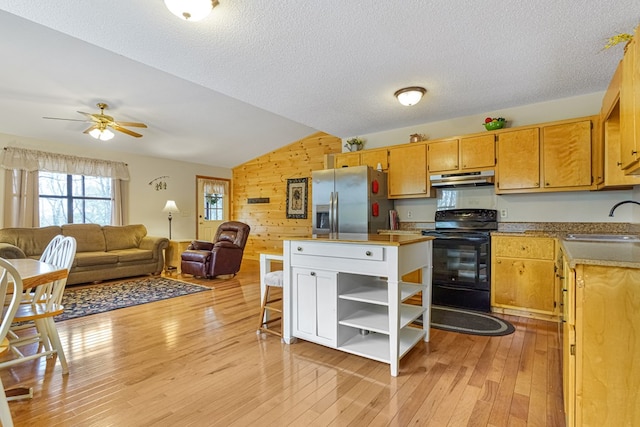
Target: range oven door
x=461 y=270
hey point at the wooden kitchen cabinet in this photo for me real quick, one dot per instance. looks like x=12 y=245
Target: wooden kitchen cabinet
x=471 y=153
x=601 y=372
x=344 y=160
x=518 y=160
x=630 y=107
x=566 y=155
x=478 y=152
x=443 y=155
x=408 y=171
x=365 y=157
x=523 y=276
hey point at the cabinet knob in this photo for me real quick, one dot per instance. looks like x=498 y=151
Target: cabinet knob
x=313 y=273
x=618 y=163
x=546 y=184
x=368 y=253
x=299 y=248
x=634 y=152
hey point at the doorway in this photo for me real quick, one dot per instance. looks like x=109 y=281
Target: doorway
x=212 y=205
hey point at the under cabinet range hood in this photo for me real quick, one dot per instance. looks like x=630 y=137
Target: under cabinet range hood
x=463 y=179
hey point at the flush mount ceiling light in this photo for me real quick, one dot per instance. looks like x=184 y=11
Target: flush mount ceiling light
x=103 y=134
x=191 y=10
x=410 y=95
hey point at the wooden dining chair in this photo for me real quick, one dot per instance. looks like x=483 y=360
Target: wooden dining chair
x=11 y=292
x=45 y=305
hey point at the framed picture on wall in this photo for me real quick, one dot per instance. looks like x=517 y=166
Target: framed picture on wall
x=297 y=198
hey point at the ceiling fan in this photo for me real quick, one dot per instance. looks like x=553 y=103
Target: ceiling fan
x=101 y=122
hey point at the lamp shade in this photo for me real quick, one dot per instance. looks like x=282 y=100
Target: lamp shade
x=170 y=206
x=410 y=95
x=191 y=10
x=102 y=135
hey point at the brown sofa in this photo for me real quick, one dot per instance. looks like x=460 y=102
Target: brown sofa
x=103 y=252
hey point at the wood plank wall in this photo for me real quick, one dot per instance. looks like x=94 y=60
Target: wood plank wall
x=266 y=176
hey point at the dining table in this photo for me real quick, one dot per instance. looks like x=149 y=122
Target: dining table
x=33 y=273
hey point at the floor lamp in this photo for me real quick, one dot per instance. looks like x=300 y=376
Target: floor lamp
x=170 y=207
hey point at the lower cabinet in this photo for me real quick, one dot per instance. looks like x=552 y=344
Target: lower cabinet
x=601 y=366
x=314 y=302
x=523 y=276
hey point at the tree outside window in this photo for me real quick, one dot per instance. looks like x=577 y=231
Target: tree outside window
x=67 y=199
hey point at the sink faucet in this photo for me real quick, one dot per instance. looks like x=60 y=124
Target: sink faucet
x=622 y=203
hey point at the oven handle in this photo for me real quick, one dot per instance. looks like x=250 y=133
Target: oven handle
x=455 y=288
x=464 y=239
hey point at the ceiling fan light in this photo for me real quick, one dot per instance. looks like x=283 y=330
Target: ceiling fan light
x=410 y=95
x=191 y=10
x=102 y=135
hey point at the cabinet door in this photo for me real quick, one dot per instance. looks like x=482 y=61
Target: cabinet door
x=629 y=107
x=408 y=171
x=478 y=152
x=566 y=155
x=443 y=156
x=518 y=160
x=314 y=295
x=344 y=160
x=374 y=158
x=524 y=283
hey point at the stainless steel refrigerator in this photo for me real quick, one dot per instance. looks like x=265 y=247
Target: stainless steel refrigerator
x=349 y=200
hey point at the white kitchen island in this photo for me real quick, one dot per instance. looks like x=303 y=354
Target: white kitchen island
x=345 y=292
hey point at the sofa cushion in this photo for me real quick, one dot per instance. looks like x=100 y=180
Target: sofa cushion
x=32 y=241
x=123 y=236
x=132 y=255
x=89 y=237
x=84 y=259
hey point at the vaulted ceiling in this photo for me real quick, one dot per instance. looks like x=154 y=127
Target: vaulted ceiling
x=256 y=75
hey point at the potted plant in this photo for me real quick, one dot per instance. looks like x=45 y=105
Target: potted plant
x=354 y=144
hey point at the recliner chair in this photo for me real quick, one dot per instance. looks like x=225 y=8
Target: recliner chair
x=222 y=257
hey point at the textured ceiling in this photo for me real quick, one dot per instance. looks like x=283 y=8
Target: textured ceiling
x=257 y=74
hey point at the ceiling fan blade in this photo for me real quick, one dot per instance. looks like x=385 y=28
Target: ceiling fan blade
x=91 y=128
x=132 y=124
x=89 y=115
x=124 y=130
x=71 y=120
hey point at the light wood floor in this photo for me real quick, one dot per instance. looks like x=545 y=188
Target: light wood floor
x=197 y=361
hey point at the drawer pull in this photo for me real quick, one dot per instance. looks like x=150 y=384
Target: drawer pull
x=313 y=273
x=368 y=253
x=299 y=248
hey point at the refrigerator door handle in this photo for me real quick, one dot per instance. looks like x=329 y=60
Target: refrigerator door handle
x=335 y=212
x=331 y=219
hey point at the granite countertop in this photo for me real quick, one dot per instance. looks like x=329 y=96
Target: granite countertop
x=368 y=239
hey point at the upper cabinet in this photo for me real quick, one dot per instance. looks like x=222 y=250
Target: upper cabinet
x=408 y=171
x=630 y=107
x=550 y=157
x=518 y=160
x=373 y=158
x=471 y=153
x=566 y=155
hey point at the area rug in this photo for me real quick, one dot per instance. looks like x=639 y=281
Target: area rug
x=101 y=298
x=468 y=322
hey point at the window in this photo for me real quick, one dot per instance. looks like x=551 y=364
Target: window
x=213 y=207
x=66 y=199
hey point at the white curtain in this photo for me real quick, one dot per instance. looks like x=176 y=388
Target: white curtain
x=21 y=183
x=214 y=186
x=33 y=160
x=21 y=199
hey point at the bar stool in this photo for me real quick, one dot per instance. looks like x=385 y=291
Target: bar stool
x=270 y=279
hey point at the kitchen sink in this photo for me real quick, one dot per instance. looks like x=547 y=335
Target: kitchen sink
x=621 y=238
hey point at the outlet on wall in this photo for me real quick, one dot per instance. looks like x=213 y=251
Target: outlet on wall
x=409 y=214
x=503 y=213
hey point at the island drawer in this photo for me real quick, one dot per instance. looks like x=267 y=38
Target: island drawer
x=359 y=252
